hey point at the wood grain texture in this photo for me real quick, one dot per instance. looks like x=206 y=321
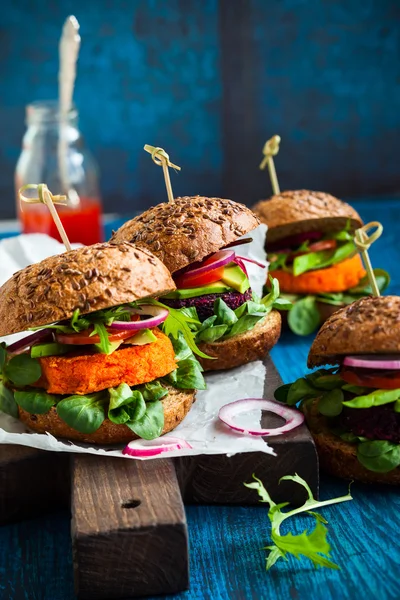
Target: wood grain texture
x=129 y=533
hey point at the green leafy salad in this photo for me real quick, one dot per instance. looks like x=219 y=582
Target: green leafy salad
x=356 y=410
x=332 y=249
x=313 y=545
x=138 y=407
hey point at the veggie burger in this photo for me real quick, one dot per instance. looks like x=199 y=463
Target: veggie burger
x=195 y=239
x=353 y=409
x=97 y=367
x=312 y=254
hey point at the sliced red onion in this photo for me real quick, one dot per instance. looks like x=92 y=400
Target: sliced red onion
x=388 y=361
x=251 y=260
x=219 y=259
x=158 y=316
x=155 y=447
x=240 y=263
x=28 y=341
x=238 y=243
x=293 y=417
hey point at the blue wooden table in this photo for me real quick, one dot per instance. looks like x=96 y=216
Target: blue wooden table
x=227 y=561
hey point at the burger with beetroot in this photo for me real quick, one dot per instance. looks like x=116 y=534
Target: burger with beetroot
x=353 y=409
x=198 y=239
x=313 y=256
x=96 y=366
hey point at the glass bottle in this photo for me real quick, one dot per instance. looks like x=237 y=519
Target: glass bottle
x=55 y=154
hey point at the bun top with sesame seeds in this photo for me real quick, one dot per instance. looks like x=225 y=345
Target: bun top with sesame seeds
x=188 y=229
x=89 y=278
x=302 y=211
x=370 y=325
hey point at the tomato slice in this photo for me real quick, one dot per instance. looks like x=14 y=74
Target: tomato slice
x=387 y=381
x=83 y=337
x=190 y=281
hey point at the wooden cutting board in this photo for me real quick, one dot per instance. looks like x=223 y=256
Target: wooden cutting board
x=129 y=532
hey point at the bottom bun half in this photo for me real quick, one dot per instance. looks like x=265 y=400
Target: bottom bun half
x=245 y=347
x=338 y=457
x=176 y=406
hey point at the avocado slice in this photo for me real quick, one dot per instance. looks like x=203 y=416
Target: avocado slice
x=50 y=349
x=236 y=278
x=141 y=338
x=218 y=287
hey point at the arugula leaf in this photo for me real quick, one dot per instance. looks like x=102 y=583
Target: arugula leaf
x=312 y=545
x=178 y=322
x=35 y=402
x=304 y=318
x=105 y=346
x=22 y=370
x=150 y=426
x=7 y=401
x=83 y=413
x=380 y=456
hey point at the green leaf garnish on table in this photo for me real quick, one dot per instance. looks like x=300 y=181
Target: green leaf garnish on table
x=312 y=545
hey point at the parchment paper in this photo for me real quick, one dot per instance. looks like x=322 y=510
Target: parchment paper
x=201 y=428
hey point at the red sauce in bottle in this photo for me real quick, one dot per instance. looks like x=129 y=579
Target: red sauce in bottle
x=82 y=224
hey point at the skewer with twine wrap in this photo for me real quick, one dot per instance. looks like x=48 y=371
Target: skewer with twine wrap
x=47 y=198
x=363 y=243
x=161 y=158
x=271 y=149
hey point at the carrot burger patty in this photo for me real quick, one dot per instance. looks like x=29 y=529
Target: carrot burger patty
x=86 y=373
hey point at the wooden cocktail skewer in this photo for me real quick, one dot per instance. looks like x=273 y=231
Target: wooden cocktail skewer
x=47 y=198
x=271 y=149
x=160 y=157
x=363 y=243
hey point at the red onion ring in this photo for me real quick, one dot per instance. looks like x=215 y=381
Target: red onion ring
x=158 y=313
x=390 y=361
x=250 y=260
x=28 y=341
x=240 y=263
x=155 y=447
x=293 y=417
x=219 y=259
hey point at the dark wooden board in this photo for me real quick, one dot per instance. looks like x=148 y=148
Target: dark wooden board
x=129 y=533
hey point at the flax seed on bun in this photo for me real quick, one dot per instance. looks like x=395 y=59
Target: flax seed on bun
x=370 y=325
x=88 y=278
x=302 y=211
x=176 y=406
x=188 y=229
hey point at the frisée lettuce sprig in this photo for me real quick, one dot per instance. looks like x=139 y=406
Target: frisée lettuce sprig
x=312 y=545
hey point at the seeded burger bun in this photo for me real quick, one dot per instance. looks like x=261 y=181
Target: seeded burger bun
x=89 y=279
x=176 y=406
x=53 y=289
x=368 y=326
x=302 y=211
x=188 y=229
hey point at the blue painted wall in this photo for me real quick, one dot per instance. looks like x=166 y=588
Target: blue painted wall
x=210 y=80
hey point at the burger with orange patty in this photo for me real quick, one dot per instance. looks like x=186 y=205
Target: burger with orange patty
x=97 y=367
x=197 y=239
x=312 y=254
x=353 y=409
